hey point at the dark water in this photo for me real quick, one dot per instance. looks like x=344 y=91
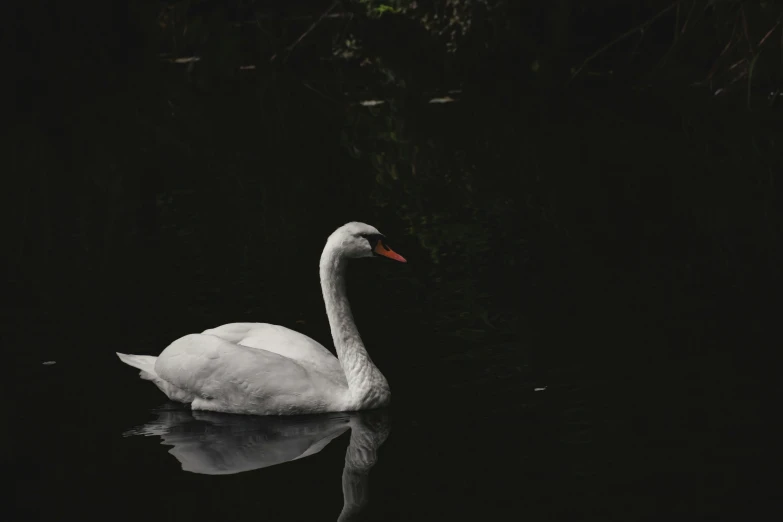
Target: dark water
x=579 y=333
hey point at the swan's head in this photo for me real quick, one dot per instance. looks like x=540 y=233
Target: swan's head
x=356 y=239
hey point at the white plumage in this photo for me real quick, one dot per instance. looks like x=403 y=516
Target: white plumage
x=266 y=369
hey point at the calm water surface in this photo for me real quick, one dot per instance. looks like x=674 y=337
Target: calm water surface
x=468 y=437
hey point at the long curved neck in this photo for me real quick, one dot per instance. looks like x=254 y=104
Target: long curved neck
x=367 y=385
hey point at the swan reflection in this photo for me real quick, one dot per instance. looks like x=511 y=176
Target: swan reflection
x=213 y=443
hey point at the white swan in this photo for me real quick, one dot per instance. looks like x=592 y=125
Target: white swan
x=265 y=369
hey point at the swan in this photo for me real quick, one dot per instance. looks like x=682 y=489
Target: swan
x=266 y=369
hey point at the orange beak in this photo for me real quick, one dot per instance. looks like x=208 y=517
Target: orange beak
x=382 y=250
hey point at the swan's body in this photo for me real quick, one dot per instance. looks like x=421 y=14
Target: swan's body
x=265 y=369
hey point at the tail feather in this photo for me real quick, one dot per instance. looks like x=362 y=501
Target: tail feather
x=145 y=363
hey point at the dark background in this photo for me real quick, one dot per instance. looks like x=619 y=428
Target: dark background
x=596 y=211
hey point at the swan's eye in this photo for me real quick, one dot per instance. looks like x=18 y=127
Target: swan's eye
x=373 y=239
